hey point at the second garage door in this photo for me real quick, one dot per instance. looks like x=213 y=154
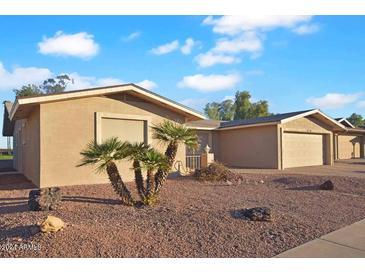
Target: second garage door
x=302 y=149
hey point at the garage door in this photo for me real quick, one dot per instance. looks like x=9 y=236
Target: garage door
x=302 y=150
x=348 y=147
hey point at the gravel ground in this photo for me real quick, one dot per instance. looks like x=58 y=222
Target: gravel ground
x=192 y=219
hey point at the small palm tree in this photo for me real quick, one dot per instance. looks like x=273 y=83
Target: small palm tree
x=151 y=161
x=172 y=134
x=104 y=156
x=136 y=152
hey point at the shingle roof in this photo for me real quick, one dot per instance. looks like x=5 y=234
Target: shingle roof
x=204 y=124
x=260 y=120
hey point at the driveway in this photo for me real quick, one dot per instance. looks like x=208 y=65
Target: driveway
x=348 y=168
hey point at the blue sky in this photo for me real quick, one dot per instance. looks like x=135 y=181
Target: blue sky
x=296 y=62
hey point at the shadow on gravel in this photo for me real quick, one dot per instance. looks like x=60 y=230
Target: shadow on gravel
x=93 y=200
x=358 y=163
x=13 y=207
x=18 y=231
x=312 y=187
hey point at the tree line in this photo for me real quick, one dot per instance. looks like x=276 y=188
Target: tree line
x=241 y=107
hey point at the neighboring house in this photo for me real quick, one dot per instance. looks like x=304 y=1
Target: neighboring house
x=304 y=138
x=349 y=143
x=49 y=131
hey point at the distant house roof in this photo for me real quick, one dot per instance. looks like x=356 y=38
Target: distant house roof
x=260 y=120
x=204 y=124
x=8 y=126
x=345 y=122
x=22 y=104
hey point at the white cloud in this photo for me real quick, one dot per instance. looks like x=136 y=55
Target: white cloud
x=334 y=100
x=147 y=84
x=210 y=59
x=166 y=48
x=209 y=83
x=188 y=46
x=232 y=25
x=306 y=29
x=132 y=36
x=197 y=104
x=229 y=97
x=361 y=104
x=247 y=42
x=80 y=45
x=20 y=76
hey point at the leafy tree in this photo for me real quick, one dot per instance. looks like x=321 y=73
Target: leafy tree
x=212 y=110
x=28 y=90
x=226 y=110
x=57 y=84
x=259 y=109
x=172 y=134
x=356 y=119
x=104 y=156
x=51 y=85
x=243 y=109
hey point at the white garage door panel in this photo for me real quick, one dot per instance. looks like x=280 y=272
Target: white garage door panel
x=302 y=150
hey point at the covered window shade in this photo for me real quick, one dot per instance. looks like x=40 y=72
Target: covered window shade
x=125 y=130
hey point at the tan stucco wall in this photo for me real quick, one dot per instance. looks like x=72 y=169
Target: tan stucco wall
x=27 y=146
x=252 y=147
x=313 y=125
x=348 y=146
x=67 y=126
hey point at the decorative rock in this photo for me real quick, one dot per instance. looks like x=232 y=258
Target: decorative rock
x=51 y=224
x=44 y=199
x=257 y=214
x=261 y=181
x=229 y=183
x=327 y=185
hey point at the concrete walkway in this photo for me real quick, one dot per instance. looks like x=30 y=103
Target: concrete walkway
x=347 y=242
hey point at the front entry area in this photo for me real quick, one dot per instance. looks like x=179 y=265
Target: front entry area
x=301 y=149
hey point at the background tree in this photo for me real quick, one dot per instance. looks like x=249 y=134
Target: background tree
x=51 y=85
x=57 y=84
x=28 y=90
x=212 y=111
x=356 y=119
x=226 y=110
x=260 y=109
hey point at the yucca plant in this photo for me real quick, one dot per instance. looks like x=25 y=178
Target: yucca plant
x=172 y=134
x=104 y=156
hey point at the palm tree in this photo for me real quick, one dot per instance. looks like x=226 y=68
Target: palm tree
x=151 y=161
x=172 y=134
x=104 y=156
x=136 y=152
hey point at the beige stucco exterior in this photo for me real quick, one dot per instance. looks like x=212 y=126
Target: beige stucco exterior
x=348 y=146
x=60 y=130
x=252 y=147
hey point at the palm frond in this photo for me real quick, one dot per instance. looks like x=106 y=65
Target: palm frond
x=100 y=155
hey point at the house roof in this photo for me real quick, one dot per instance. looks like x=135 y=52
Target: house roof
x=8 y=126
x=281 y=119
x=21 y=104
x=204 y=124
x=345 y=122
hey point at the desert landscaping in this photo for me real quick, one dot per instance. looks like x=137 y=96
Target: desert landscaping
x=191 y=219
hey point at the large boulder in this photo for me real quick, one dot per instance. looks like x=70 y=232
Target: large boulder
x=44 y=199
x=257 y=214
x=51 y=224
x=327 y=185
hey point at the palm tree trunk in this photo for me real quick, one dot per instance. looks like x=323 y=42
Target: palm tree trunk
x=118 y=184
x=161 y=174
x=139 y=179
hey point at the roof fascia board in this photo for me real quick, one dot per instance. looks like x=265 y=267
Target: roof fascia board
x=101 y=91
x=311 y=112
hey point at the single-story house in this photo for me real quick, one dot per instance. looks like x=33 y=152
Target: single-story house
x=303 y=138
x=49 y=131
